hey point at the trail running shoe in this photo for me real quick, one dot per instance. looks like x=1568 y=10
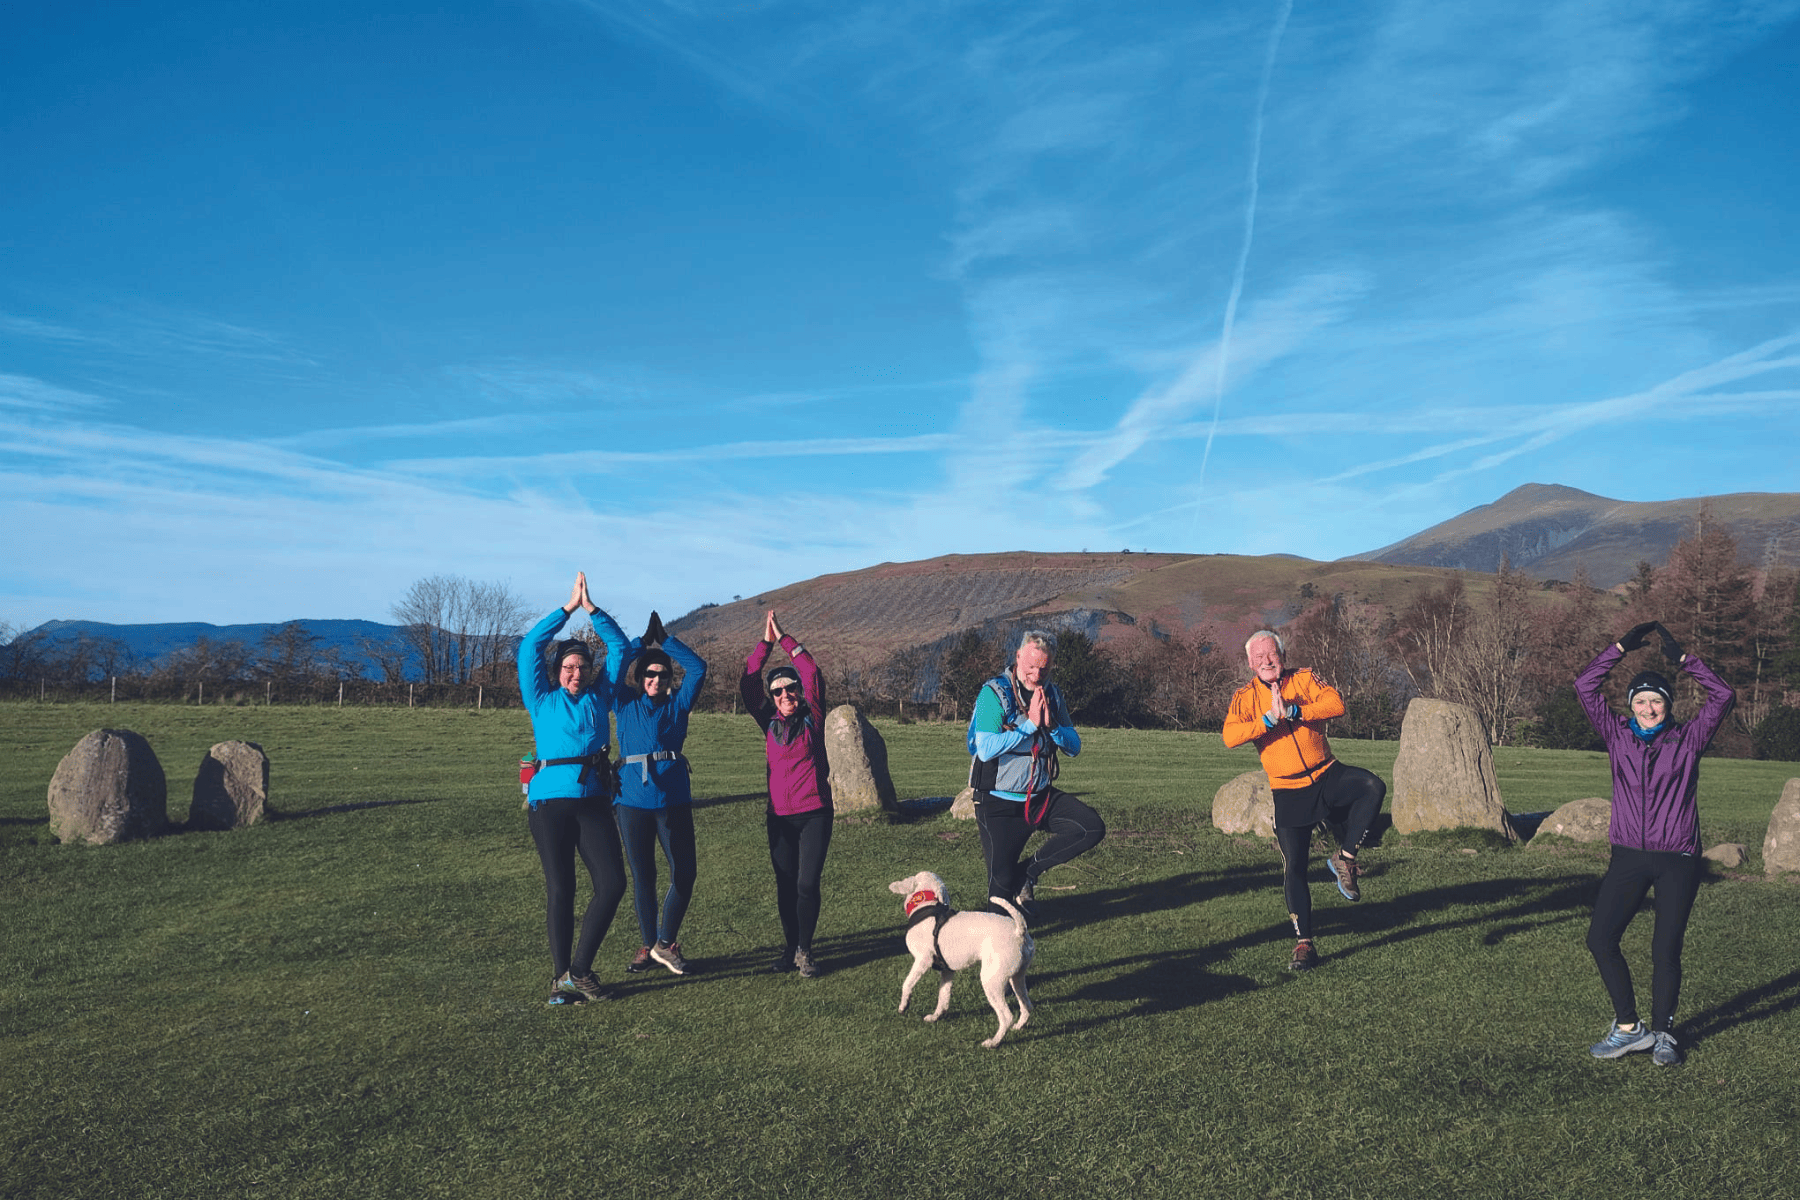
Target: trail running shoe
x=784 y=962
x=586 y=986
x=1620 y=1041
x=1343 y=873
x=1667 y=1053
x=1305 y=957
x=803 y=962
x=564 y=992
x=639 y=961
x=669 y=955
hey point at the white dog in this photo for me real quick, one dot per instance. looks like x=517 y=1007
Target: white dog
x=949 y=940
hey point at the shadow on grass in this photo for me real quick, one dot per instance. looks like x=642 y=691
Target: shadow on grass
x=1505 y=907
x=734 y=798
x=44 y=820
x=1754 y=1004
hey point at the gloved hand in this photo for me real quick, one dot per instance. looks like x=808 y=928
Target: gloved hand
x=1631 y=641
x=653 y=632
x=1670 y=647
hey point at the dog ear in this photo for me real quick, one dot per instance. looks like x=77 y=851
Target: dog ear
x=900 y=887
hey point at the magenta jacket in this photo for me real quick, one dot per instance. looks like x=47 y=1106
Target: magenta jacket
x=1654 y=806
x=799 y=776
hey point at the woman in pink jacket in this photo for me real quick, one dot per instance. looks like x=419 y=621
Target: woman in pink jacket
x=792 y=716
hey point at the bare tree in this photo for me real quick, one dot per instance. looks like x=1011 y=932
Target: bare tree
x=1487 y=671
x=462 y=631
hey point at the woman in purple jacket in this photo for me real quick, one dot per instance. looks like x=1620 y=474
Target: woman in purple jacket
x=792 y=717
x=1655 y=833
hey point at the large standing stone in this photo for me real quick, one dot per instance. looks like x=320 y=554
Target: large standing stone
x=1781 y=846
x=963 y=807
x=1245 y=805
x=232 y=787
x=859 y=766
x=1584 y=820
x=107 y=789
x=1444 y=775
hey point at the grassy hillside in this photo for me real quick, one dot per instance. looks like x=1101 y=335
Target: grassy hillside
x=348 y=1001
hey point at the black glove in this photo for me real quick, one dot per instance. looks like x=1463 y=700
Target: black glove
x=653 y=632
x=1670 y=647
x=1635 y=638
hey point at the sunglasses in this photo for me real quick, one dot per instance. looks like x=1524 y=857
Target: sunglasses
x=790 y=689
x=649 y=675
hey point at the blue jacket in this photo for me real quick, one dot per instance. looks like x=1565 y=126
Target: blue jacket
x=568 y=726
x=1654 y=784
x=647 y=725
x=1009 y=756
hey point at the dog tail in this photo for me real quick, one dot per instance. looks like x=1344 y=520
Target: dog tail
x=1018 y=917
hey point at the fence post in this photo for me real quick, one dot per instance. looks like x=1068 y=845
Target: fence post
x=203 y=693
x=268 y=692
x=409 y=688
x=115 y=690
x=340 y=693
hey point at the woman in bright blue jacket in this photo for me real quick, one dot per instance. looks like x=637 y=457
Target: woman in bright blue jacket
x=1655 y=833
x=655 y=802
x=570 y=795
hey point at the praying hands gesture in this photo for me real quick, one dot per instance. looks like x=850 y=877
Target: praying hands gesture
x=1277 y=710
x=1039 y=712
x=771 y=629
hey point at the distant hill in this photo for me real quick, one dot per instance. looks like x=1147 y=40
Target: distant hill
x=149 y=643
x=1550 y=531
x=860 y=617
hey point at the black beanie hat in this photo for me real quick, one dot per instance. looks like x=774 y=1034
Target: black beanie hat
x=780 y=675
x=574 y=646
x=635 y=673
x=1649 y=681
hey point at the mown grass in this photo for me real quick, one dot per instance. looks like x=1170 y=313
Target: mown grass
x=348 y=1000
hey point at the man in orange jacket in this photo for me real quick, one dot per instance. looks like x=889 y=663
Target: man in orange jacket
x=1284 y=713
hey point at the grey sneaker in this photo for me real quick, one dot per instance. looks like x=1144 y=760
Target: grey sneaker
x=580 y=987
x=639 y=961
x=803 y=963
x=1343 y=873
x=784 y=962
x=1620 y=1041
x=1667 y=1053
x=669 y=955
x=1305 y=957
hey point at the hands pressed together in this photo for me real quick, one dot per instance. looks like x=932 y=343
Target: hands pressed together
x=1639 y=634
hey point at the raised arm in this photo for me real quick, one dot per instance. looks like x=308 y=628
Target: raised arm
x=756 y=701
x=693 y=671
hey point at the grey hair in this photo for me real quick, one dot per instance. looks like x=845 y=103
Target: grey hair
x=1280 y=646
x=1043 y=639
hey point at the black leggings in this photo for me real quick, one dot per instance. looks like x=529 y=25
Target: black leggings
x=561 y=828
x=642 y=829
x=1629 y=877
x=1074 y=829
x=1348 y=796
x=797 y=848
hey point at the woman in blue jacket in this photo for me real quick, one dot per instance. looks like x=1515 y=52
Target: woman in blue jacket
x=570 y=794
x=655 y=803
x=1655 y=833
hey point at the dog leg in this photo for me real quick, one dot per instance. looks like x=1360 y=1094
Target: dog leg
x=945 y=979
x=1024 y=995
x=919 y=967
x=994 y=984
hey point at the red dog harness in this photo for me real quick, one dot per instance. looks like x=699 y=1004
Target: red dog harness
x=925 y=906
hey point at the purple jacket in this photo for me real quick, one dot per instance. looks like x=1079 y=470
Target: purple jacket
x=1653 y=783
x=799 y=775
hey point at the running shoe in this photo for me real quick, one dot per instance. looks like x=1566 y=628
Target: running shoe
x=587 y=985
x=784 y=962
x=639 y=961
x=1305 y=957
x=803 y=962
x=1667 y=1053
x=669 y=955
x=1620 y=1041
x=1343 y=873
x=563 y=992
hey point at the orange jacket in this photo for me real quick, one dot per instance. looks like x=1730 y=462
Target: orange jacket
x=1294 y=752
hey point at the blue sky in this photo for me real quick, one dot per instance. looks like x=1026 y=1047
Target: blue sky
x=301 y=302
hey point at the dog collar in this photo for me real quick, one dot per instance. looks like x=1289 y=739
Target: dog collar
x=919 y=900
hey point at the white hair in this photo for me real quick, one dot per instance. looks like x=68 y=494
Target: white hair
x=1042 y=639
x=1280 y=647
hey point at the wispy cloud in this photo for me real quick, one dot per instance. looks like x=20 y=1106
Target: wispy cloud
x=21 y=391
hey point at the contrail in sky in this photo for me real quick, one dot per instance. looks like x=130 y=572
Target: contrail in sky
x=1237 y=276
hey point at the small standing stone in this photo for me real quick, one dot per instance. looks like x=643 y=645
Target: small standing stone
x=1781 y=846
x=1444 y=774
x=1585 y=820
x=231 y=789
x=1729 y=855
x=859 y=766
x=109 y=788
x=963 y=807
x=1245 y=805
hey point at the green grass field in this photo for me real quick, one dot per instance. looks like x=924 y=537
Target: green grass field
x=348 y=1000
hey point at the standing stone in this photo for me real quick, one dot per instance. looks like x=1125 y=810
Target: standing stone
x=1444 y=775
x=1584 y=820
x=963 y=807
x=109 y=788
x=232 y=788
x=1245 y=805
x=859 y=765
x=1781 y=846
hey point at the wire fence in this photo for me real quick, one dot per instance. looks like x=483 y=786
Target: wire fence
x=240 y=694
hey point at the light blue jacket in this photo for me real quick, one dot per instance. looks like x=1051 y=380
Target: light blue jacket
x=568 y=726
